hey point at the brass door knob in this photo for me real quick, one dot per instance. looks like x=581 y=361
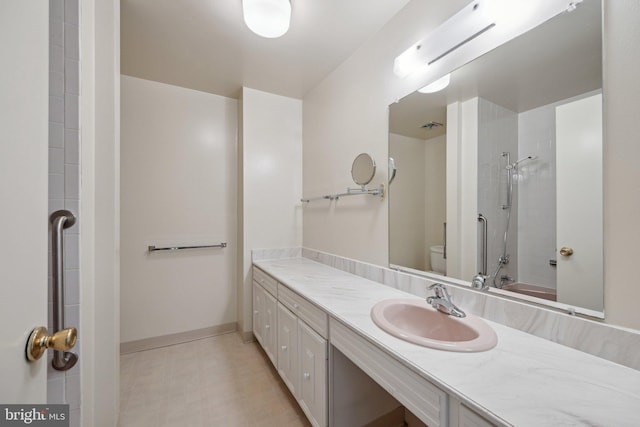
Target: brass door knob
x=39 y=341
x=565 y=251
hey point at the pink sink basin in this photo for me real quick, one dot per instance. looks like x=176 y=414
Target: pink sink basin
x=417 y=322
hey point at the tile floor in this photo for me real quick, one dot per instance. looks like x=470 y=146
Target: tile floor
x=217 y=381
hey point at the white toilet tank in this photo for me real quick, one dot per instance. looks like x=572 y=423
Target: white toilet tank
x=438 y=263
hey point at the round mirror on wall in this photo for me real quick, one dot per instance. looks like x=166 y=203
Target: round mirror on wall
x=363 y=169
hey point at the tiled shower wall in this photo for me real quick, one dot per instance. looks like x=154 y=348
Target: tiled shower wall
x=64 y=179
x=537 y=196
x=497 y=133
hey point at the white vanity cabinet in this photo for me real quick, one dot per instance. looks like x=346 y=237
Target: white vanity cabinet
x=265 y=321
x=293 y=333
x=303 y=366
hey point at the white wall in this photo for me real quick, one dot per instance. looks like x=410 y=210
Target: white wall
x=435 y=199
x=347 y=113
x=270 y=185
x=407 y=203
x=99 y=210
x=178 y=187
x=621 y=154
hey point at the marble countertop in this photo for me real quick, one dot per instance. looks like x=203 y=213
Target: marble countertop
x=523 y=381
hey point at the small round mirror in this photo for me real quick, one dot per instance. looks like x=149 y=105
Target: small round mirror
x=363 y=169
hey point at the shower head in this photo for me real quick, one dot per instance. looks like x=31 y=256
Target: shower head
x=515 y=164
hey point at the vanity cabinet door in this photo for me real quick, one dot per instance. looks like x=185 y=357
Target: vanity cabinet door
x=313 y=375
x=265 y=321
x=270 y=320
x=258 y=308
x=288 y=348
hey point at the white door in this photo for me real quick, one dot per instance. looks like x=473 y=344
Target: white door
x=24 y=80
x=579 y=202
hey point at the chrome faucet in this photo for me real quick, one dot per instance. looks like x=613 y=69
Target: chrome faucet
x=442 y=301
x=480 y=282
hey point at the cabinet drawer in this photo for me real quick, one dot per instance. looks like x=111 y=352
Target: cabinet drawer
x=266 y=281
x=425 y=400
x=309 y=313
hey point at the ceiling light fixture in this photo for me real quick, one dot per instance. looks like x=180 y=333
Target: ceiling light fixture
x=461 y=28
x=267 y=18
x=436 y=86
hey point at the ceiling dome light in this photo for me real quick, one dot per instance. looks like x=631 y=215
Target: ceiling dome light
x=267 y=18
x=436 y=86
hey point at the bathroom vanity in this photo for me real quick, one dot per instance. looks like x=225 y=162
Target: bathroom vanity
x=314 y=323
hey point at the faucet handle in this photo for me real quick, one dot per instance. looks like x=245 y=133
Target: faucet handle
x=440 y=291
x=479 y=281
x=442 y=301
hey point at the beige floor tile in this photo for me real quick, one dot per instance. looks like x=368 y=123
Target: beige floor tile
x=218 y=381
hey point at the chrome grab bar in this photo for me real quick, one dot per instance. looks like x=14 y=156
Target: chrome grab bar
x=153 y=248
x=444 y=240
x=60 y=220
x=483 y=220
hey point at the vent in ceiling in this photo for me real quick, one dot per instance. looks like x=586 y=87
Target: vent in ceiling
x=431 y=125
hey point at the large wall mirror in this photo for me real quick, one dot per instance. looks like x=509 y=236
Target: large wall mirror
x=514 y=142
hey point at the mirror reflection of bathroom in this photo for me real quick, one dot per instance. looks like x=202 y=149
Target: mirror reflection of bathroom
x=521 y=144
x=363 y=169
x=539 y=187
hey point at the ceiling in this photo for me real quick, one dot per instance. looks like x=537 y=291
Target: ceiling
x=205 y=45
x=557 y=60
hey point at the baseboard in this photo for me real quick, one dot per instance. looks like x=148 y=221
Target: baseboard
x=178 y=338
x=247 y=337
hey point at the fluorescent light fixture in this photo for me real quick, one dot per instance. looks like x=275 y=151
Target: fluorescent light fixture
x=461 y=28
x=267 y=18
x=438 y=85
x=408 y=61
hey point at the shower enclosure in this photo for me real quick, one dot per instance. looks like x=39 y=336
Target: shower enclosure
x=517 y=197
x=544 y=210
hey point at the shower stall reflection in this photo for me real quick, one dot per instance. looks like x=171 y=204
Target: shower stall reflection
x=518 y=197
